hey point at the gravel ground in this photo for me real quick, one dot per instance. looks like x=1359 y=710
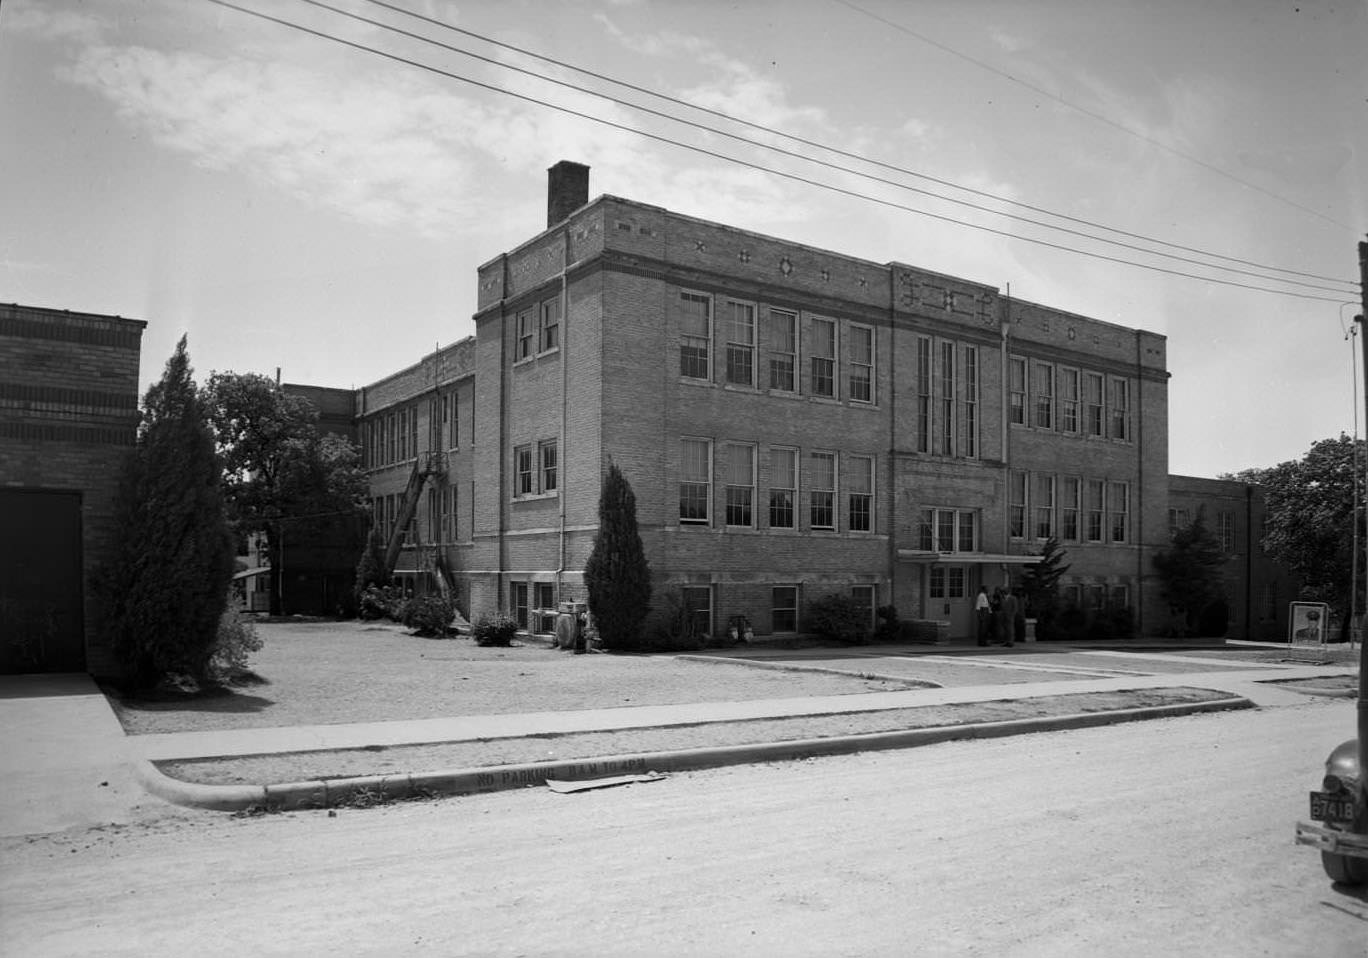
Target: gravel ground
x=323 y=673
x=345 y=763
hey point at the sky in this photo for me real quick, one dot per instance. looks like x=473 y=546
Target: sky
x=288 y=201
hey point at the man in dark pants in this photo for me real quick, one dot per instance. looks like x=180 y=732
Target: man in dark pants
x=1010 y=607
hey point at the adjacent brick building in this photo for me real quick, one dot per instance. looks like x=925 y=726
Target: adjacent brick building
x=68 y=415
x=795 y=422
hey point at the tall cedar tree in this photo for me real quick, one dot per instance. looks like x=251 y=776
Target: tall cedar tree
x=166 y=585
x=1040 y=585
x=617 y=576
x=281 y=476
x=1192 y=570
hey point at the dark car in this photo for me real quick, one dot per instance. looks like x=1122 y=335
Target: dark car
x=1340 y=808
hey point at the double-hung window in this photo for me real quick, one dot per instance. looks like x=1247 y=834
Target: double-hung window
x=740 y=344
x=527 y=334
x=695 y=335
x=948 y=530
x=781 y=340
x=1016 y=504
x=695 y=480
x=1044 y=388
x=1092 y=404
x=1044 y=500
x=1068 y=400
x=970 y=401
x=738 y=461
x=860 y=494
x=524 y=478
x=822 y=491
x=784 y=608
x=517 y=601
x=697 y=601
x=1225 y=530
x=1096 y=492
x=783 y=487
x=823 y=357
x=1118 y=507
x=923 y=394
x=945 y=427
x=548 y=456
x=861 y=364
x=1016 y=390
x=1120 y=409
x=549 y=334
x=1070 y=489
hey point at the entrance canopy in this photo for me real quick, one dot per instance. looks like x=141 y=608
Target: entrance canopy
x=966 y=558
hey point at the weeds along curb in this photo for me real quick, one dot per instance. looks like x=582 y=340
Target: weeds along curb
x=341 y=791
x=799 y=667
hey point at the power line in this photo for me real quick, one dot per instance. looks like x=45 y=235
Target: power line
x=755 y=166
x=816 y=144
x=1089 y=113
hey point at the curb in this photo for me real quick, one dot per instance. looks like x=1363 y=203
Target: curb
x=796 y=667
x=330 y=792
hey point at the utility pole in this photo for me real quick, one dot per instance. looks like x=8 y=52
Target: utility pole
x=1361 y=319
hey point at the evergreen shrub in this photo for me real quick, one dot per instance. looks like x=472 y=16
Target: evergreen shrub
x=497 y=631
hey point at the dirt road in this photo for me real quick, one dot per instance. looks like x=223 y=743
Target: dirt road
x=1172 y=837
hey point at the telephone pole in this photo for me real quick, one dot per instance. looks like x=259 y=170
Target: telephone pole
x=1361 y=319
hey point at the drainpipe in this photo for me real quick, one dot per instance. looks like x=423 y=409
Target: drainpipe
x=502 y=444
x=1138 y=419
x=1004 y=403
x=563 y=450
x=1363 y=646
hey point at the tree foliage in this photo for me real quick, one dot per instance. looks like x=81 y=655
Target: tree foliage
x=1192 y=571
x=1311 y=505
x=281 y=475
x=370 y=570
x=1040 y=587
x=617 y=575
x=166 y=586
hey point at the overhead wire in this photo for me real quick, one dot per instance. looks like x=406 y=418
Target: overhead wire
x=757 y=166
x=805 y=141
x=1090 y=113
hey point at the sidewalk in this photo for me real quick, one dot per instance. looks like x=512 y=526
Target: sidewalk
x=76 y=767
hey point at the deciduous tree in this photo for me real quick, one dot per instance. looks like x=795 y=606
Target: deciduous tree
x=1192 y=570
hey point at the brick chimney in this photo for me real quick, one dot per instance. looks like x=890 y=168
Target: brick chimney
x=567 y=189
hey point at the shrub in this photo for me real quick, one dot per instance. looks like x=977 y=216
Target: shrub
x=236 y=640
x=494 y=632
x=888 y=625
x=379 y=602
x=429 y=615
x=837 y=617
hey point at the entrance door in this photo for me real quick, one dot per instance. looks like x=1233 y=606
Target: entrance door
x=42 y=625
x=951 y=599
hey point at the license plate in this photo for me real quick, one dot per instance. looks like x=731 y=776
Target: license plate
x=1332 y=808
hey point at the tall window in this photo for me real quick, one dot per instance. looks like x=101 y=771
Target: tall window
x=781 y=338
x=1068 y=508
x=695 y=335
x=783 y=487
x=517 y=602
x=823 y=357
x=822 y=490
x=949 y=530
x=923 y=394
x=695 y=480
x=697 y=601
x=550 y=325
x=971 y=390
x=1120 y=409
x=860 y=494
x=1068 y=400
x=861 y=364
x=413 y=431
x=527 y=334
x=740 y=344
x=1016 y=504
x=1016 y=391
x=1225 y=530
x=448 y=513
x=1044 y=395
x=738 y=462
x=1044 y=501
x=1118 y=506
x=549 y=455
x=945 y=440
x=1092 y=403
x=523 y=476
x=784 y=608
x=455 y=420
x=863 y=596
x=1096 y=496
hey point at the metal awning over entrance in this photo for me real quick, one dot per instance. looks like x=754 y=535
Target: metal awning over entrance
x=966 y=558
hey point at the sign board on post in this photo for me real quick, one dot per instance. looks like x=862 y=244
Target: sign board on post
x=1307 y=622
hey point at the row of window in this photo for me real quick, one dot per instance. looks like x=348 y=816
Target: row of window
x=536 y=469
x=765 y=347
x=947 y=404
x=826 y=495
x=1068 y=400
x=441 y=516
x=393 y=436
x=537 y=329
x=951 y=582
x=1069 y=508
x=1224 y=530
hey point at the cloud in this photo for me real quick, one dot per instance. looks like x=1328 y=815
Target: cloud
x=26 y=16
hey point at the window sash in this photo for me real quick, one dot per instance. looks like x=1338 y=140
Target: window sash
x=970 y=401
x=1068 y=400
x=1016 y=390
x=739 y=468
x=860 y=495
x=550 y=456
x=695 y=480
x=1044 y=388
x=527 y=331
x=697 y=601
x=1118 y=507
x=1044 y=506
x=823 y=357
x=784 y=608
x=1092 y=384
x=1017 y=505
x=1120 y=409
x=549 y=336
x=522 y=470
x=783 y=487
x=822 y=491
x=781 y=334
x=695 y=335
x=741 y=344
x=923 y=394
x=861 y=364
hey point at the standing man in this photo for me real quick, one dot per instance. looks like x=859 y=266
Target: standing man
x=984 y=611
x=1009 y=615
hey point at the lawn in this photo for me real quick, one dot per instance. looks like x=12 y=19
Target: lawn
x=323 y=673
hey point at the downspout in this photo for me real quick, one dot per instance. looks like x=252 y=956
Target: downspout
x=1139 y=522
x=502 y=444
x=892 y=497
x=563 y=452
x=1004 y=388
